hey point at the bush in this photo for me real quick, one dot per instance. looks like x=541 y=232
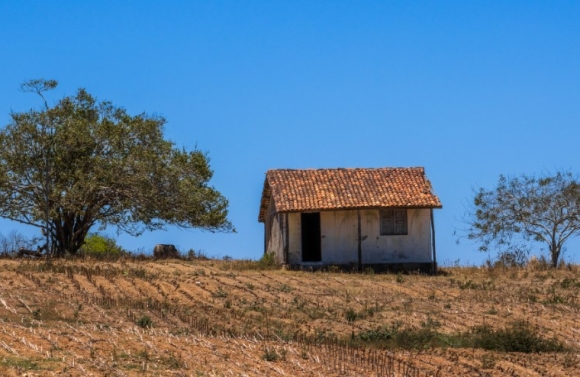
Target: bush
x=196 y=255
x=404 y=338
x=145 y=322
x=100 y=246
x=520 y=336
x=351 y=315
x=268 y=261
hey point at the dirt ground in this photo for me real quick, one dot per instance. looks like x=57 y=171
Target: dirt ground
x=226 y=318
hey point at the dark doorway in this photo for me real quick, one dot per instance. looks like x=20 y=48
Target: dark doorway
x=310 y=237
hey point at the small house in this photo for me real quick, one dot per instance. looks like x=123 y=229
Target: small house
x=358 y=218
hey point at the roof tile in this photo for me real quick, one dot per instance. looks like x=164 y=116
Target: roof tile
x=328 y=189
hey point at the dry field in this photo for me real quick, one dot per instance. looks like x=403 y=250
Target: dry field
x=227 y=318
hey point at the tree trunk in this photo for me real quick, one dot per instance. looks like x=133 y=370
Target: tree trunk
x=69 y=237
x=555 y=254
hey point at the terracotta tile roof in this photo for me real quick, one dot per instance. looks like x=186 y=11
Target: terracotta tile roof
x=328 y=189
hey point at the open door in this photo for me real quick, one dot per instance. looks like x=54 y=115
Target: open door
x=311 y=247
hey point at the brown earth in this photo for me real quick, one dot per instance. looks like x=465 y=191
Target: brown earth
x=227 y=318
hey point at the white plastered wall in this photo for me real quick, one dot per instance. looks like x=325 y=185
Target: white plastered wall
x=294 y=239
x=339 y=238
x=415 y=247
x=274 y=234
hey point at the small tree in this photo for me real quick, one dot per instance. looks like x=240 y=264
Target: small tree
x=529 y=209
x=81 y=163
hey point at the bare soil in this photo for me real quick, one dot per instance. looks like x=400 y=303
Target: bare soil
x=226 y=318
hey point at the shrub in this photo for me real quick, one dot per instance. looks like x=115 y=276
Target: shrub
x=399 y=278
x=405 y=338
x=380 y=334
x=268 y=261
x=145 y=322
x=197 y=255
x=351 y=315
x=520 y=336
x=99 y=246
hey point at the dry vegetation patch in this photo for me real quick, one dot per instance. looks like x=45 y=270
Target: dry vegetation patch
x=206 y=318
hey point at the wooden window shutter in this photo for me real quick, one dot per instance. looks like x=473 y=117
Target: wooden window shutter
x=393 y=222
x=400 y=221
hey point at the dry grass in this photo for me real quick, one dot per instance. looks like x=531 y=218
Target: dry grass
x=214 y=318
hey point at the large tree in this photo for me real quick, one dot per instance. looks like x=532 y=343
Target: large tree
x=82 y=163
x=529 y=209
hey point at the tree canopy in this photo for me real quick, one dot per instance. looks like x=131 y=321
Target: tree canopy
x=82 y=163
x=528 y=209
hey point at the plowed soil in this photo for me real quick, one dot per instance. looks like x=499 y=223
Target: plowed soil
x=227 y=318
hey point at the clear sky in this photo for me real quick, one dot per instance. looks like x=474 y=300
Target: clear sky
x=467 y=89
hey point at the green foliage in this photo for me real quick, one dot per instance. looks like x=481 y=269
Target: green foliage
x=399 y=278
x=397 y=337
x=20 y=364
x=568 y=283
x=81 y=162
x=285 y=288
x=519 y=336
x=351 y=315
x=469 y=284
x=145 y=322
x=524 y=210
x=100 y=246
x=220 y=294
x=196 y=255
x=267 y=262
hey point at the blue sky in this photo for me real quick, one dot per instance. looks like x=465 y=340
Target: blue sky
x=467 y=89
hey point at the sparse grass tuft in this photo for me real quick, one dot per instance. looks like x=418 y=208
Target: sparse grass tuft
x=488 y=361
x=145 y=322
x=272 y=354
